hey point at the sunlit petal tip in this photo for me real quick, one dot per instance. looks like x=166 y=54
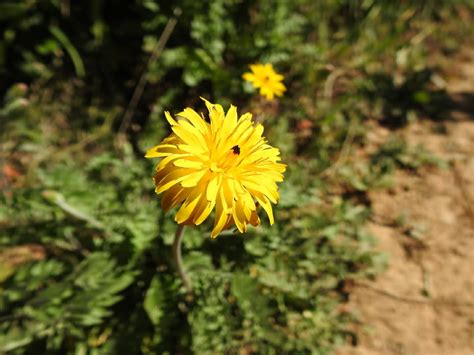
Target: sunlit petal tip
x=170 y=119
x=152 y=152
x=209 y=105
x=255 y=67
x=248 y=76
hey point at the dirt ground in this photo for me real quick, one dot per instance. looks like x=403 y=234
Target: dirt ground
x=424 y=302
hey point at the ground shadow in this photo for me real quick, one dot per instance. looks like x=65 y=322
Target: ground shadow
x=415 y=95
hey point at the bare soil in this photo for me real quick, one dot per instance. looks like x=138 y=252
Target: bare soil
x=424 y=302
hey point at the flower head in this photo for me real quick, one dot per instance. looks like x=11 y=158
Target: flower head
x=223 y=164
x=263 y=77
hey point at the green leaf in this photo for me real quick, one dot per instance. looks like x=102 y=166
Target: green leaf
x=10 y=9
x=15 y=339
x=70 y=49
x=154 y=301
x=251 y=300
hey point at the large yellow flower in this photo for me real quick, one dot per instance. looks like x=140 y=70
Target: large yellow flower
x=224 y=164
x=263 y=77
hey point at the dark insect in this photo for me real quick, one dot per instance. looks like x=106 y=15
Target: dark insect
x=236 y=149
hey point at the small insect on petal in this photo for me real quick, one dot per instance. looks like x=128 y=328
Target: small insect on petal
x=236 y=150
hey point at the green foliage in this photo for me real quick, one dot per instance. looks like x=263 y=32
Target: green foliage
x=101 y=280
x=396 y=153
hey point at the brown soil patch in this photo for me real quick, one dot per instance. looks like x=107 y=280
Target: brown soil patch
x=424 y=302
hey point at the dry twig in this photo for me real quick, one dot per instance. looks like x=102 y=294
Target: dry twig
x=138 y=92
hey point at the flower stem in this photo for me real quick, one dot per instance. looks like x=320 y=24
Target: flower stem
x=178 y=260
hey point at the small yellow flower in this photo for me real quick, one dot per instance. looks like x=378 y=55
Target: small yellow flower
x=263 y=77
x=224 y=164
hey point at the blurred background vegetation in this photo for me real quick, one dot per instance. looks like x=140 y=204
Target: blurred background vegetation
x=84 y=247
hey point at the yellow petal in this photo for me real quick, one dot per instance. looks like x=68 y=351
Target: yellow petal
x=254 y=219
x=221 y=217
x=267 y=206
x=213 y=187
x=171 y=179
x=163 y=187
x=229 y=124
x=216 y=115
x=195 y=119
x=264 y=186
x=152 y=152
x=193 y=179
x=161 y=150
x=173 y=196
x=187 y=136
x=187 y=163
x=203 y=211
x=187 y=209
x=239 y=217
x=278 y=77
x=197 y=150
x=165 y=162
x=256 y=67
x=248 y=76
x=170 y=119
x=247 y=200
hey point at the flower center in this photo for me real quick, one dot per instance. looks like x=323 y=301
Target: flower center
x=215 y=168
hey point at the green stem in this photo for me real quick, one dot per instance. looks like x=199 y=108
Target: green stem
x=178 y=260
